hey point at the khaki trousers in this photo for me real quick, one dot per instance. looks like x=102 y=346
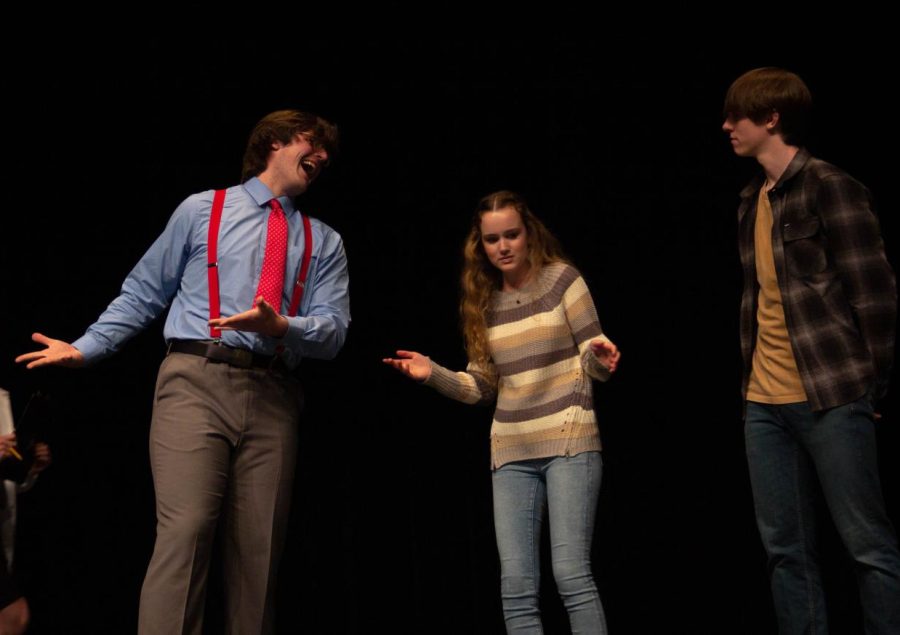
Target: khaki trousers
x=223 y=444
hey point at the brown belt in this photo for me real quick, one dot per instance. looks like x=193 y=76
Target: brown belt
x=219 y=353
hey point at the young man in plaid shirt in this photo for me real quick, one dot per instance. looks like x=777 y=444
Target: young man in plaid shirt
x=817 y=335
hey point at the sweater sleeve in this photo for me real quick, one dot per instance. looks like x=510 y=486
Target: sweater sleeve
x=582 y=317
x=477 y=385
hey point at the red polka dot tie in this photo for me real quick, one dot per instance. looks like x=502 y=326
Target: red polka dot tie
x=271 y=278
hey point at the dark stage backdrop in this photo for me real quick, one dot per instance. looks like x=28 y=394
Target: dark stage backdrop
x=391 y=526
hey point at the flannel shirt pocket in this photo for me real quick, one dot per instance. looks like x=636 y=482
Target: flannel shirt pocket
x=804 y=247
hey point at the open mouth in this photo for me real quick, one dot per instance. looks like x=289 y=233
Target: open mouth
x=309 y=166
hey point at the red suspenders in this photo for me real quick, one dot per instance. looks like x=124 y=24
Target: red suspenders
x=304 y=267
x=212 y=263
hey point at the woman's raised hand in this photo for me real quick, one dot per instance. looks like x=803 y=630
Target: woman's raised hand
x=412 y=364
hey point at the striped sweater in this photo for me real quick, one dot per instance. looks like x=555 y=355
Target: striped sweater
x=541 y=368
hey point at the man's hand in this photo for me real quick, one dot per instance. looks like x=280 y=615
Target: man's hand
x=262 y=318
x=56 y=353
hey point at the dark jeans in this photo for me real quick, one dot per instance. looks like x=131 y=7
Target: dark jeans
x=790 y=449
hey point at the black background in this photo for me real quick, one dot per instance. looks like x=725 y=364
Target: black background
x=622 y=156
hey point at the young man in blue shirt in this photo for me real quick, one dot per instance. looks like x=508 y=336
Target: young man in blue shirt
x=224 y=430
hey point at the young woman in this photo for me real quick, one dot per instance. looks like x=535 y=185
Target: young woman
x=534 y=342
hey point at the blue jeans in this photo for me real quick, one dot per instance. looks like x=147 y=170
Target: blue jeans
x=790 y=449
x=568 y=487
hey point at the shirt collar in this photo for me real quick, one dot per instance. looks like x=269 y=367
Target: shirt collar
x=261 y=194
x=794 y=166
x=790 y=172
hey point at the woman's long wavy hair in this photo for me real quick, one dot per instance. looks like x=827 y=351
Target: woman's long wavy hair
x=480 y=278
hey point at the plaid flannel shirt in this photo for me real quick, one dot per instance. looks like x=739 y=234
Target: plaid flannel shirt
x=838 y=290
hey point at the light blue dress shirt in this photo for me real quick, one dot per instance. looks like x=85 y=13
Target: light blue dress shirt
x=174 y=270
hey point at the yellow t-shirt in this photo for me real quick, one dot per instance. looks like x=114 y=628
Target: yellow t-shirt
x=774 y=377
